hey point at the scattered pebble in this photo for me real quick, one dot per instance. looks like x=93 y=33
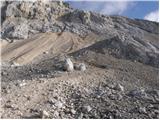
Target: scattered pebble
x=81 y=67
x=119 y=87
x=44 y=114
x=56 y=114
x=73 y=111
x=80 y=116
x=142 y=110
x=3 y=73
x=22 y=84
x=88 y=108
x=137 y=93
x=59 y=104
x=119 y=96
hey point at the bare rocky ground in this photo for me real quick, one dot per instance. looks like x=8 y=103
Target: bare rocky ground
x=123 y=89
x=120 y=54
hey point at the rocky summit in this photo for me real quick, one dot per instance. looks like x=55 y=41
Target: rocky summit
x=60 y=62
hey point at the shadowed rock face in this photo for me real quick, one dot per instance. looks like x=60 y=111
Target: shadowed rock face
x=131 y=49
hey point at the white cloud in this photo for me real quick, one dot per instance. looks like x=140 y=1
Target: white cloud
x=104 y=7
x=153 y=16
x=116 y=7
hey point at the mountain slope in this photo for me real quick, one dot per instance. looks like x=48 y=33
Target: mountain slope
x=120 y=56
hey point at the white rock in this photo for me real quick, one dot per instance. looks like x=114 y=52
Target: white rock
x=82 y=67
x=142 y=110
x=80 y=116
x=59 y=104
x=68 y=65
x=44 y=114
x=119 y=87
x=22 y=84
x=15 y=64
x=88 y=108
x=56 y=114
x=73 y=111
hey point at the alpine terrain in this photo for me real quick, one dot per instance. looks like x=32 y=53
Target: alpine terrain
x=60 y=62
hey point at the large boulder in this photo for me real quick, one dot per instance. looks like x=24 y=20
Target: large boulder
x=68 y=65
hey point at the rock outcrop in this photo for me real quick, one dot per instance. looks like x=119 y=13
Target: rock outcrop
x=27 y=17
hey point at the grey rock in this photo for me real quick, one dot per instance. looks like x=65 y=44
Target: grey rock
x=22 y=84
x=44 y=114
x=73 y=111
x=137 y=93
x=142 y=110
x=81 y=66
x=87 y=108
x=3 y=73
x=58 y=104
x=80 y=115
x=119 y=96
x=18 y=31
x=119 y=87
x=56 y=114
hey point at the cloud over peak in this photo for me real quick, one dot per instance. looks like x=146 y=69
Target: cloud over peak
x=152 y=16
x=115 y=7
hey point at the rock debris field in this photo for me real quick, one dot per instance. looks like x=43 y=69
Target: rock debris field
x=58 y=62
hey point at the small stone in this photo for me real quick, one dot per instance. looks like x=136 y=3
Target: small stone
x=29 y=98
x=119 y=87
x=73 y=111
x=4 y=73
x=150 y=106
x=56 y=114
x=137 y=93
x=111 y=86
x=59 y=104
x=22 y=84
x=46 y=52
x=44 y=114
x=142 y=110
x=15 y=64
x=111 y=117
x=80 y=116
x=9 y=106
x=88 y=108
x=81 y=67
x=7 y=91
x=119 y=96
x=112 y=97
x=19 y=113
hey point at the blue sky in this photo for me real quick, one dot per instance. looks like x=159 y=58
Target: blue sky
x=133 y=9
